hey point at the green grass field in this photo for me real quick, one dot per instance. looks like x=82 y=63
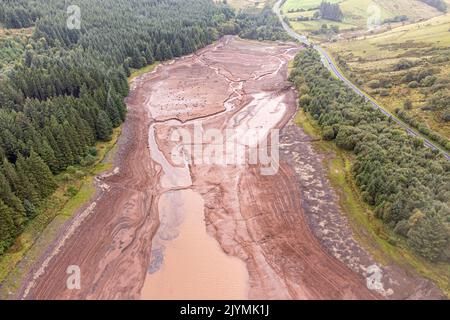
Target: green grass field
x=138 y=72
x=304 y=4
x=249 y=4
x=309 y=26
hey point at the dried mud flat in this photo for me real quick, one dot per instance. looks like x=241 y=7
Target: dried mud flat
x=157 y=229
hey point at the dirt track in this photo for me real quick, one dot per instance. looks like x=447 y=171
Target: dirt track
x=257 y=218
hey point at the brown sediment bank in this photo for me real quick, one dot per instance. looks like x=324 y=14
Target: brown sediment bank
x=158 y=229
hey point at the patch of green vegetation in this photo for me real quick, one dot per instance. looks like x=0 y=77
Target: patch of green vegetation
x=75 y=189
x=138 y=72
x=370 y=232
x=291 y=5
x=310 y=128
x=315 y=25
x=290 y=66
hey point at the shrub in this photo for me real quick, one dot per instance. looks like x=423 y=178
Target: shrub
x=446 y=116
x=93 y=151
x=428 y=81
x=413 y=84
x=66 y=177
x=71 y=191
x=403 y=64
x=374 y=84
x=304 y=100
x=402 y=227
x=423 y=73
x=428 y=237
x=88 y=160
x=79 y=174
x=408 y=77
x=407 y=104
x=71 y=169
x=328 y=133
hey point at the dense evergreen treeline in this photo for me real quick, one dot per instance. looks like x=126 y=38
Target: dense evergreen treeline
x=407 y=183
x=67 y=91
x=17 y=14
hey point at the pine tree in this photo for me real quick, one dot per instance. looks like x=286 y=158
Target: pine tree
x=28 y=58
x=10 y=174
x=48 y=155
x=10 y=199
x=428 y=237
x=112 y=108
x=46 y=183
x=26 y=182
x=148 y=54
x=66 y=157
x=59 y=157
x=103 y=126
x=7 y=227
x=73 y=138
x=136 y=61
x=177 y=48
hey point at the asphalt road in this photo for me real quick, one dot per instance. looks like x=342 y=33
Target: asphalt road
x=328 y=62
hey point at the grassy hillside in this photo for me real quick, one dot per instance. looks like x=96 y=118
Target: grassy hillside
x=396 y=58
x=356 y=13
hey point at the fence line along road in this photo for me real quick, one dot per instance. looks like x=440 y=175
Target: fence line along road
x=329 y=63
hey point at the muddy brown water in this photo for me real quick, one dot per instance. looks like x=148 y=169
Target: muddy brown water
x=194 y=266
